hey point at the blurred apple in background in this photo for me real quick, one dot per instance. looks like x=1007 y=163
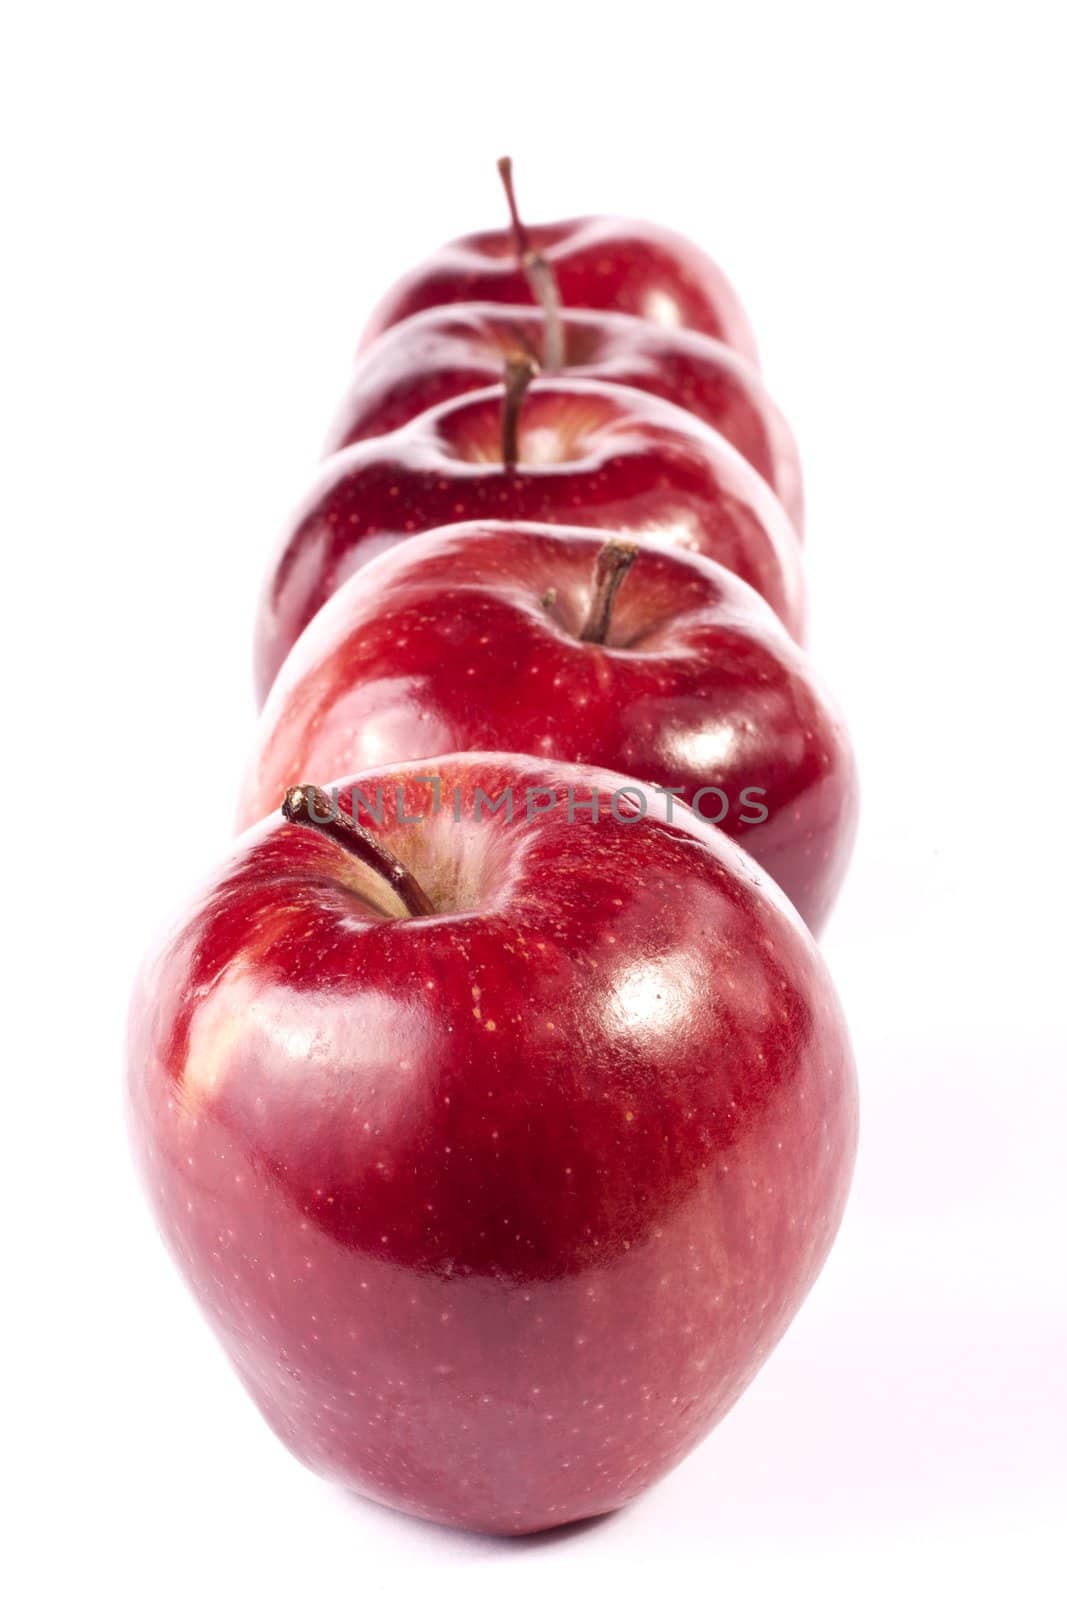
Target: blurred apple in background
x=592 y=263
x=559 y=644
x=451 y=350
x=567 y=451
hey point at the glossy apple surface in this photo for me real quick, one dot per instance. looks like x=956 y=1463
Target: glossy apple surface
x=448 y=644
x=599 y=264
x=589 y=453
x=496 y=1211
x=451 y=350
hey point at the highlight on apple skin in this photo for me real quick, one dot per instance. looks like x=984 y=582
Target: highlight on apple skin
x=524 y=637
x=557 y=451
x=498 y=1154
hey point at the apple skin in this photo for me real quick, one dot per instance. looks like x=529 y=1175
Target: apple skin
x=445 y=645
x=497 y=1211
x=599 y=263
x=451 y=350
x=590 y=453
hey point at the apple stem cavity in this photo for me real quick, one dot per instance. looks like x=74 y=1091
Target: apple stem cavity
x=613 y=562
x=539 y=275
x=310 y=807
x=519 y=373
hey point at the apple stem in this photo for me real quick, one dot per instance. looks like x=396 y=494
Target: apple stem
x=539 y=275
x=519 y=373
x=518 y=227
x=310 y=807
x=613 y=562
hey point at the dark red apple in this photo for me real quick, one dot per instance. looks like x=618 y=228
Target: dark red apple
x=588 y=453
x=451 y=350
x=499 y=1154
x=595 y=263
x=527 y=638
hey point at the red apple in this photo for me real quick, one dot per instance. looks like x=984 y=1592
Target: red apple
x=595 y=263
x=499 y=636
x=499 y=1154
x=451 y=350
x=588 y=453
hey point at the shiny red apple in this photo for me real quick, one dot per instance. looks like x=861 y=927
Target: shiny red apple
x=595 y=263
x=498 y=1153
x=587 y=453
x=451 y=350
x=555 y=643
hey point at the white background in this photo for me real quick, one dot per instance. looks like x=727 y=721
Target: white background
x=203 y=202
